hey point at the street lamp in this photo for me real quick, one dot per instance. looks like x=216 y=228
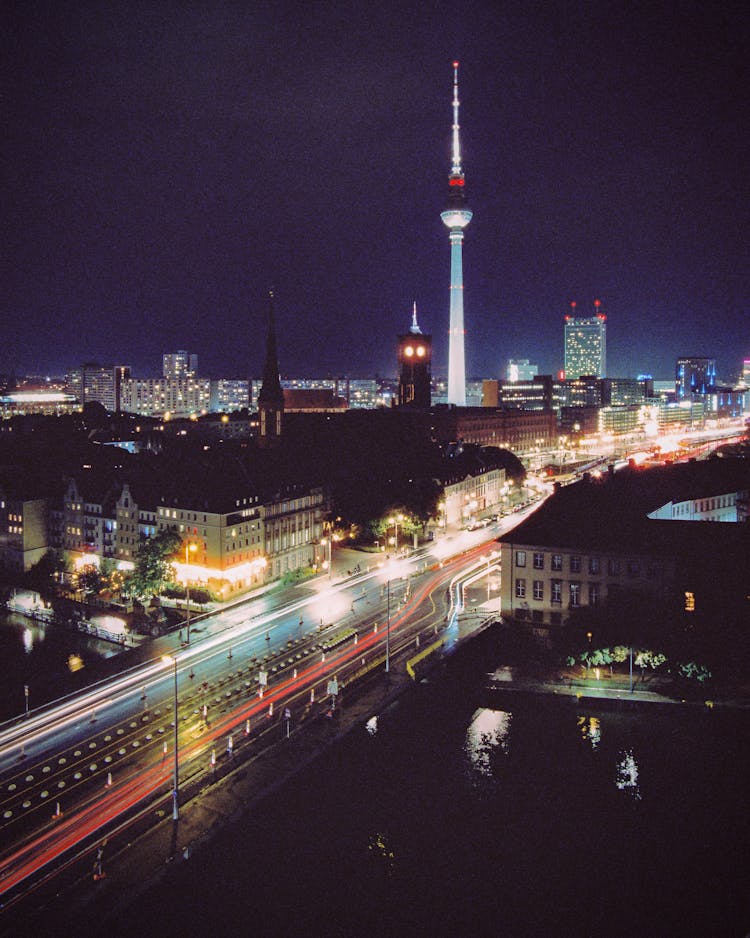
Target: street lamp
x=395 y=522
x=167 y=659
x=189 y=547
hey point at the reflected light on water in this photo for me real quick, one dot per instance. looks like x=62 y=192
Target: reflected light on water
x=28 y=640
x=591 y=730
x=488 y=730
x=626 y=775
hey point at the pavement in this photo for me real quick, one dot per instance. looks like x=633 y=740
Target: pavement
x=608 y=687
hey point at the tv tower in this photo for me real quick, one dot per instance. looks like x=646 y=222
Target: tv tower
x=456 y=217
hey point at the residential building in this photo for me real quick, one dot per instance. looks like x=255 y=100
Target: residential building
x=179 y=365
x=630 y=534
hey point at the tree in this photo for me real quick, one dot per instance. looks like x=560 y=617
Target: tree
x=649 y=659
x=153 y=564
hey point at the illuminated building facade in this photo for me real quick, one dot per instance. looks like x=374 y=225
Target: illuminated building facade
x=166 y=397
x=456 y=217
x=229 y=394
x=100 y=383
x=586 y=344
x=414 y=367
x=694 y=375
x=24 y=535
x=179 y=364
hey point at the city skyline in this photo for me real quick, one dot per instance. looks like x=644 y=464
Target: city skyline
x=162 y=169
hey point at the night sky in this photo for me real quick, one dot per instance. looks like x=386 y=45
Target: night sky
x=164 y=163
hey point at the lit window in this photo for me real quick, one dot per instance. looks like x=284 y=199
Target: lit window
x=520 y=558
x=557 y=561
x=538 y=561
x=689 y=601
x=520 y=588
x=539 y=590
x=557 y=591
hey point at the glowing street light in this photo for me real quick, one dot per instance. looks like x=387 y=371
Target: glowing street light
x=169 y=659
x=395 y=522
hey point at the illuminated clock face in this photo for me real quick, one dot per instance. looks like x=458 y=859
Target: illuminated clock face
x=409 y=351
x=421 y=351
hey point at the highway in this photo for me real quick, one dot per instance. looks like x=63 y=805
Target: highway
x=83 y=768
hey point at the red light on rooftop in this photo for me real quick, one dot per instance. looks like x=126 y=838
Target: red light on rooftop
x=573 y=304
x=455 y=64
x=597 y=303
x=568 y=318
x=602 y=317
x=455 y=181
x=561 y=375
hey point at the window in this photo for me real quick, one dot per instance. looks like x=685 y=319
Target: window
x=575 y=595
x=538 y=561
x=539 y=589
x=557 y=591
x=689 y=601
x=555 y=618
x=522 y=613
x=575 y=564
x=594 y=594
x=634 y=568
x=520 y=558
x=593 y=565
x=557 y=561
x=613 y=567
x=520 y=588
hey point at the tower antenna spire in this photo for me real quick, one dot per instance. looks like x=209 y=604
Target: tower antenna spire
x=456 y=157
x=414 y=324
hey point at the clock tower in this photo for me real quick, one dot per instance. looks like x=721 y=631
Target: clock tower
x=414 y=367
x=271 y=396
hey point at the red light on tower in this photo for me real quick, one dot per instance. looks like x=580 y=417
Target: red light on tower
x=573 y=304
x=455 y=64
x=597 y=303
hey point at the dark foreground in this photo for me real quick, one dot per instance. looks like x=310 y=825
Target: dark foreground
x=453 y=817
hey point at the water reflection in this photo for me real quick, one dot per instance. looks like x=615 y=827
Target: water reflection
x=591 y=730
x=626 y=775
x=488 y=731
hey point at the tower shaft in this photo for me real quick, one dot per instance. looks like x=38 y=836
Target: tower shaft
x=456 y=354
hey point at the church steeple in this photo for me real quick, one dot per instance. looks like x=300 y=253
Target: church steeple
x=271 y=396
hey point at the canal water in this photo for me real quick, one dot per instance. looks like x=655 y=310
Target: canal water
x=49 y=660
x=459 y=813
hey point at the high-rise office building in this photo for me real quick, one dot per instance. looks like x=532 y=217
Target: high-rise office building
x=179 y=364
x=456 y=217
x=586 y=343
x=694 y=375
x=414 y=366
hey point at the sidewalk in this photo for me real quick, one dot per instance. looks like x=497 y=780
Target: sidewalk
x=613 y=688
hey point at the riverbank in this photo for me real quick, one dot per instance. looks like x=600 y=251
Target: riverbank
x=610 y=689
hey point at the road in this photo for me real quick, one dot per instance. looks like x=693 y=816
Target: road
x=80 y=769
